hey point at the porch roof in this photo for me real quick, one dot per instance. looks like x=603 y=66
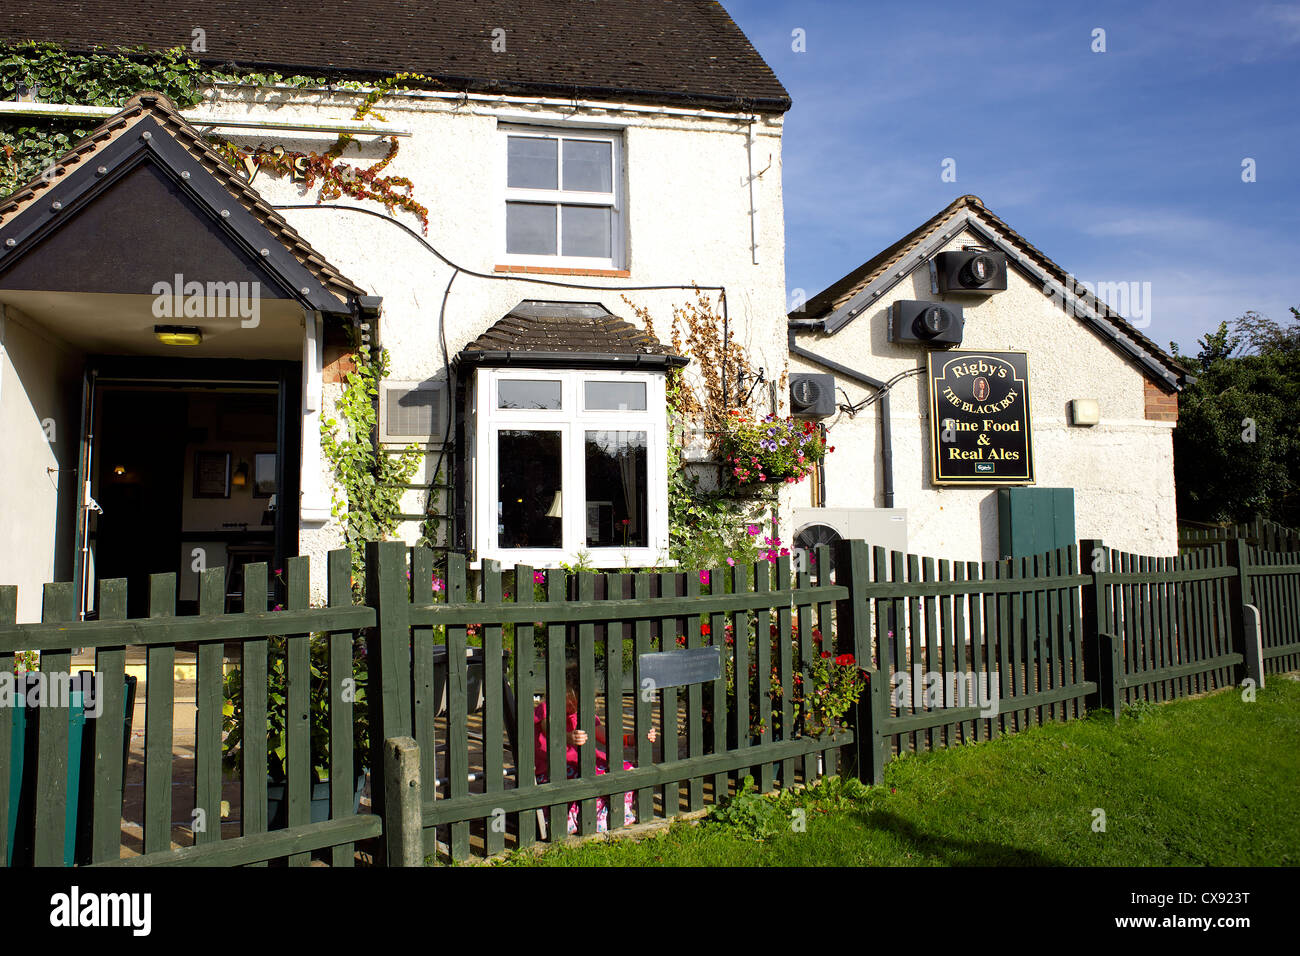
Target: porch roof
x=149 y=129
x=568 y=334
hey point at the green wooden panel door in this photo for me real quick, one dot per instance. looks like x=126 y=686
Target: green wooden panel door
x=1034 y=520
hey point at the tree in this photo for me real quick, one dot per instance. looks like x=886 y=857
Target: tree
x=1237 y=444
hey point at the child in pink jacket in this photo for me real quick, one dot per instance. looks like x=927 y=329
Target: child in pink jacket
x=575 y=738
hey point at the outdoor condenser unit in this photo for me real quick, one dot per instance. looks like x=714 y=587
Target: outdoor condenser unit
x=812 y=396
x=970 y=270
x=928 y=323
x=883 y=527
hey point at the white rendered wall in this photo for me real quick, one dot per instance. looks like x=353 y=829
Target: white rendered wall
x=687 y=221
x=1121 y=469
x=40 y=382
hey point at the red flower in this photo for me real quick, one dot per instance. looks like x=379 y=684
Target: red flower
x=825 y=654
x=706 y=630
x=844 y=660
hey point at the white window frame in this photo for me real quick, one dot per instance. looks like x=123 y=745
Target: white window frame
x=573 y=421
x=613 y=200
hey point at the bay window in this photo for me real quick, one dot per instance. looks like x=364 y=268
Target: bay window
x=571 y=461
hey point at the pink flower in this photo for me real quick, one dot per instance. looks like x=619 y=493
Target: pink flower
x=437 y=584
x=731 y=561
x=753 y=529
x=704 y=577
x=539 y=577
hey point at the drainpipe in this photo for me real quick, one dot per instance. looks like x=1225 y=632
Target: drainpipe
x=886 y=441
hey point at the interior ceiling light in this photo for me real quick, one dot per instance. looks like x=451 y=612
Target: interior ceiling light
x=178 y=334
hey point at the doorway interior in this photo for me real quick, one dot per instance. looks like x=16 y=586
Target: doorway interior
x=185 y=476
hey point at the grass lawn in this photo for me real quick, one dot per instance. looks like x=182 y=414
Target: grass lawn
x=1212 y=781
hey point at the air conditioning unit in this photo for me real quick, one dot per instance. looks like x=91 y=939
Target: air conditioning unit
x=878 y=527
x=970 y=271
x=413 y=412
x=812 y=396
x=928 y=323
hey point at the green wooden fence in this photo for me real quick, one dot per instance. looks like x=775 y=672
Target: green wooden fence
x=214 y=632
x=1061 y=637
x=944 y=630
x=1263 y=533
x=480 y=786
x=1271 y=582
x=460 y=673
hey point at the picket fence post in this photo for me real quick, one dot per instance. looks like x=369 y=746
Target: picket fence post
x=1100 y=640
x=1239 y=596
x=403 y=823
x=853 y=622
x=388 y=653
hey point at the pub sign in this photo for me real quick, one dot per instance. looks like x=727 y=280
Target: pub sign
x=979 y=418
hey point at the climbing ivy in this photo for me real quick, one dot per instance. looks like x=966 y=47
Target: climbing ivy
x=369 y=479
x=110 y=77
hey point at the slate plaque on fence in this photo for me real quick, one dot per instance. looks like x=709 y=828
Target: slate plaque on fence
x=676 y=668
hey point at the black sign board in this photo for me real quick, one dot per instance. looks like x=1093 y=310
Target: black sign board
x=676 y=668
x=979 y=418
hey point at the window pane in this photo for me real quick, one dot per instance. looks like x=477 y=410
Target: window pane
x=615 y=396
x=586 y=231
x=532 y=163
x=616 y=490
x=529 y=511
x=517 y=393
x=530 y=228
x=588 y=166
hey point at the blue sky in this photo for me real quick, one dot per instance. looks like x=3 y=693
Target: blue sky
x=1122 y=166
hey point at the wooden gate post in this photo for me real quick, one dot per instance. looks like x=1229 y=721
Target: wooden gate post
x=853 y=623
x=403 y=804
x=1239 y=597
x=388 y=651
x=1095 y=612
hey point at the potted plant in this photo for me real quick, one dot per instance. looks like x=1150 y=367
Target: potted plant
x=771 y=450
x=276 y=731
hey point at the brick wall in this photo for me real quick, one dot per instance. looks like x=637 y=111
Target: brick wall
x=1161 y=406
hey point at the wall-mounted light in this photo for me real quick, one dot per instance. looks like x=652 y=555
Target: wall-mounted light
x=178 y=334
x=1085 y=411
x=240 y=478
x=119 y=470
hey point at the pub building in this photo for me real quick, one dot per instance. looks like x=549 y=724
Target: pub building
x=176 y=328
x=982 y=402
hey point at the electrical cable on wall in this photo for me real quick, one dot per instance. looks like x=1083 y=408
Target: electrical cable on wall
x=853 y=408
x=508 y=277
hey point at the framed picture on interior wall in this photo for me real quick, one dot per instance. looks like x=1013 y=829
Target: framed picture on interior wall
x=212 y=474
x=263 y=475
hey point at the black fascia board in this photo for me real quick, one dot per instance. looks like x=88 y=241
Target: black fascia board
x=579 y=360
x=485 y=86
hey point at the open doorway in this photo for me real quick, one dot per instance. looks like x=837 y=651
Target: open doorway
x=186 y=477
